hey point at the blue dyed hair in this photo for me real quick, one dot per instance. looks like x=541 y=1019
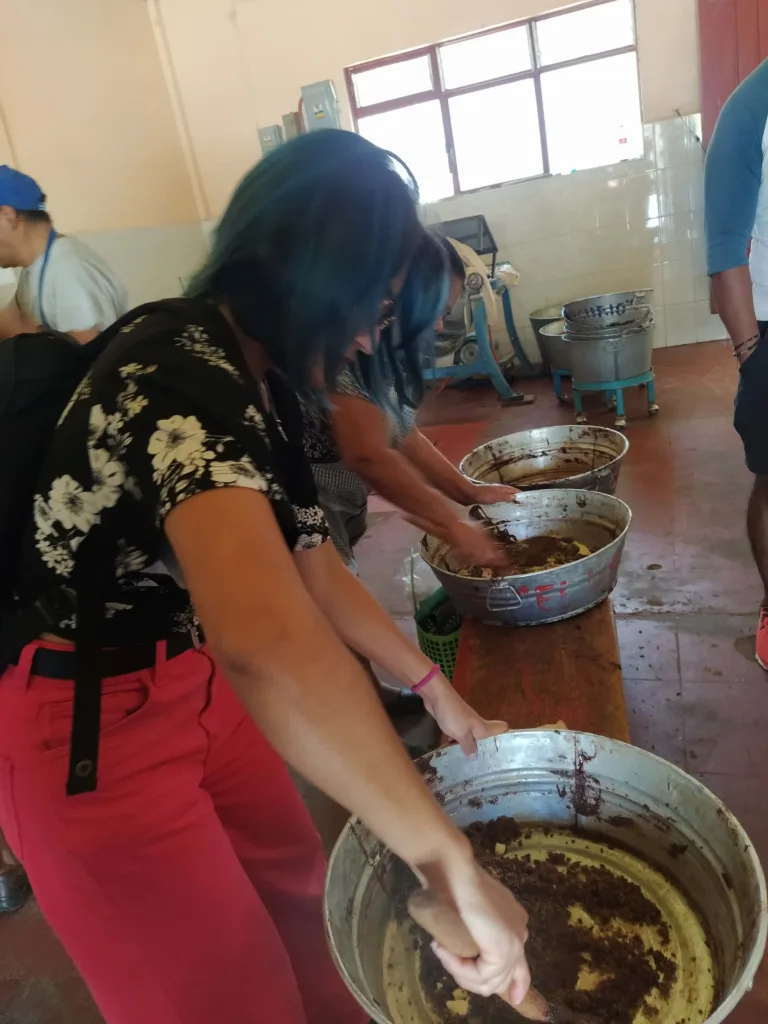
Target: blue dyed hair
x=308 y=247
x=411 y=337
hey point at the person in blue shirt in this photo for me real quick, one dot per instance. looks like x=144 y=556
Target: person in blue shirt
x=736 y=214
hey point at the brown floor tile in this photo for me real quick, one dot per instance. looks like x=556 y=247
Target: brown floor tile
x=726 y=725
x=648 y=648
x=719 y=647
x=655 y=713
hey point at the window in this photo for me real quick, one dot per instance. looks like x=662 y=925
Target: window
x=550 y=95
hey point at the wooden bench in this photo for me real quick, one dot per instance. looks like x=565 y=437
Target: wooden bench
x=538 y=675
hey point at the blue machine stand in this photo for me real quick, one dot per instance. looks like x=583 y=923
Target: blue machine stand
x=615 y=395
x=485 y=363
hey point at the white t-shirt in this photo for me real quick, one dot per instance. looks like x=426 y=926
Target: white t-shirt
x=80 y=291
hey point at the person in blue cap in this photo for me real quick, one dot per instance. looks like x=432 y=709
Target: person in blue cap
x=63 y=285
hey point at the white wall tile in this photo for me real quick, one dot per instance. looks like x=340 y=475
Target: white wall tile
x=612 y=202
x=709 y=326
x=680 y=189
x=678 y=282
x=700 y=287
x=680 y=324
x=608 y=229
x=675 y=237
x=677 y=143
x=660 y=332
x=641 y=196
x=657 y=283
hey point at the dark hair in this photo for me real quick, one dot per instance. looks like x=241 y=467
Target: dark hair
x=34 y=216
x=412 y=335
x=308 y=247
x=455 y=261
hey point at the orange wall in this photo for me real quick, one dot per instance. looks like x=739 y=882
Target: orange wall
x=87 y=112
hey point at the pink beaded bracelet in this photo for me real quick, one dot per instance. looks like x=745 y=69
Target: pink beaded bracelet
x=427 y=679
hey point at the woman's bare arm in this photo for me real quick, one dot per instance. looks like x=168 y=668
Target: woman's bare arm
x=364 y=626
x=314 y=703
x=303 y=688
x=361 y=433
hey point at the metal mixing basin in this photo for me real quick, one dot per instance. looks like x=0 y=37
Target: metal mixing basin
x=584 y=457
x=599 y=521
x=643 y=817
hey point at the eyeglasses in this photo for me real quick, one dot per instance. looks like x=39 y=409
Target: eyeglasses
x=387 y=313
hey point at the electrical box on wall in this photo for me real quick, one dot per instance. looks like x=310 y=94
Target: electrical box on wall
x=291 y=125
x=270 y=138
x=320 y=107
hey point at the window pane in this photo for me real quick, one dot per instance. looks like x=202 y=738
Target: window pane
x=392 y=81
x=592 y=30
x=496 y=134
x=416 y=135
x=592 y=113
x=491 y=56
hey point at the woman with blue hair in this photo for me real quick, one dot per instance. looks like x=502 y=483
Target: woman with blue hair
x=186 y=881
x=357 y=444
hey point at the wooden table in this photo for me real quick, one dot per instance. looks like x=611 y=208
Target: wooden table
x=536 y=675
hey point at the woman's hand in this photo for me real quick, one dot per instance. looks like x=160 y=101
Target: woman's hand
x=499 y=926
x=455 y=717
x=475 y=544
x=490 y=494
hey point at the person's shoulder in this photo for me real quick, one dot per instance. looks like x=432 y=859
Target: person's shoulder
x=748 y=103
x=185 y=334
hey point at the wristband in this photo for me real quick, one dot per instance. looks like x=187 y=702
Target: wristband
x=427 y=679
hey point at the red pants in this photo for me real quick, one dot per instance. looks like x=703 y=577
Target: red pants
x=187 y=889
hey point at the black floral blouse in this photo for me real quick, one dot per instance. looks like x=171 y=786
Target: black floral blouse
x=168 y=410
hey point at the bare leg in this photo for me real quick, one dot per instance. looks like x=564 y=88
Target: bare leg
x=757 y=528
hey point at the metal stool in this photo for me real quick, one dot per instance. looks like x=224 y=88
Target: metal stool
x=558 y=376
x=615 y=395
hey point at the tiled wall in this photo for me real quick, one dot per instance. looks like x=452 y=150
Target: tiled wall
x=635 y=225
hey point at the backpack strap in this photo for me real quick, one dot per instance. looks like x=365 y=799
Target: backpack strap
x=86 y=712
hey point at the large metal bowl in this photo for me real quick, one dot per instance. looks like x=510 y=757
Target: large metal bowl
x=627 y=802
x=613 y=357
x=554 y=346
x=610 y=309
x=599 y=521
x=540 y=319
x=584 y=457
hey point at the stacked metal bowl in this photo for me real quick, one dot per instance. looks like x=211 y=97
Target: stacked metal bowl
x=609 y=337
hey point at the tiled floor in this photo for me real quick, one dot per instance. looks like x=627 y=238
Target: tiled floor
x=686 y=605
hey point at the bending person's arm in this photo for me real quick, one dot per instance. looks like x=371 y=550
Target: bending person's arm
x=732 y=184
x=364 y=626
x=362 y=437
x=314 y=704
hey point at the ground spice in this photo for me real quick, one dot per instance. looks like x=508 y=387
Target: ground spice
x=559 y=949
x=533 y=554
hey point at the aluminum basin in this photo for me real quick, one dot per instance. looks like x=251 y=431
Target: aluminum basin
x=626 y=796
x=599 y=521
x=554 y=346
x=584 y=457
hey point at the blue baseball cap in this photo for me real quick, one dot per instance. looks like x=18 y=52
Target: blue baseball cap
x=19 y=191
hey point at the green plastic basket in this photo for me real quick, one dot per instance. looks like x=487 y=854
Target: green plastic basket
x=441 y=648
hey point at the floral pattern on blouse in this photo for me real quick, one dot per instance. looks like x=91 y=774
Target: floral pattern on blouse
x=167 y=411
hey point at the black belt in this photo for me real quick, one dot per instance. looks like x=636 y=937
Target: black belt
x=118 y=662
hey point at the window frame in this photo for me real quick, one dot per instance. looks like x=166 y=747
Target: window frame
x=438 y=92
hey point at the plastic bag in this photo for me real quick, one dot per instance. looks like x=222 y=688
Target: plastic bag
x=418 y=579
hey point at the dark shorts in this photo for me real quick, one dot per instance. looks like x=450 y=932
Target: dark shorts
x=751 y=413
